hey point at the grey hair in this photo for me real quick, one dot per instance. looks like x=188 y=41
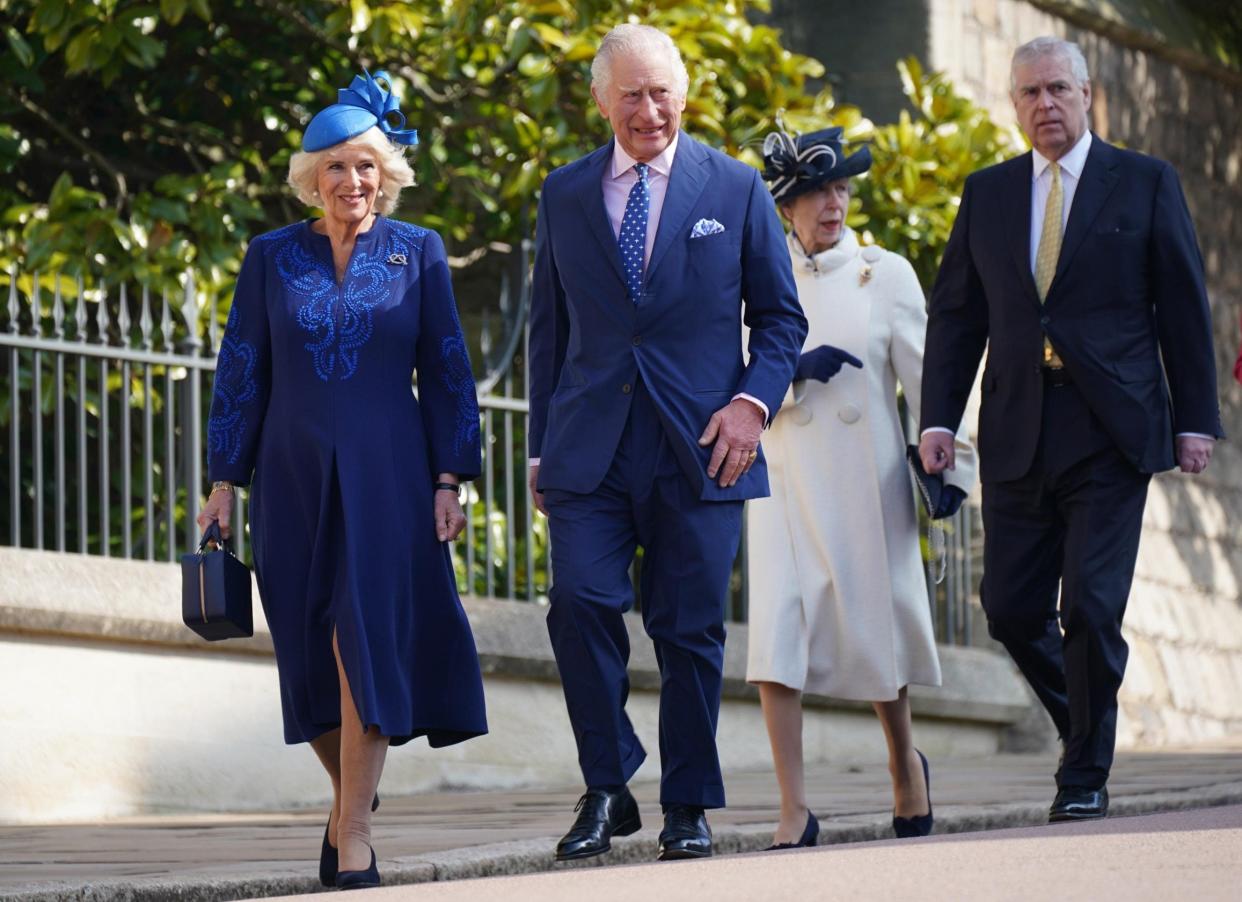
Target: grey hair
x=1046 y=45
x=629 y=38
x=395 y=172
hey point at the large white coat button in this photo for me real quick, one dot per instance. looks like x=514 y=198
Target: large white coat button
x=800 y=414
x=849 y=414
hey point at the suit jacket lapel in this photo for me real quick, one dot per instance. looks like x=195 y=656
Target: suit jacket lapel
x=686 y=182
x=590 y=193
x=1099 y=177
x=1018 y=225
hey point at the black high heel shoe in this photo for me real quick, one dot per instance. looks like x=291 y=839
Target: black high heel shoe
x=920 y=824
x=809 y=837
x=359 y=879
x=328 y=857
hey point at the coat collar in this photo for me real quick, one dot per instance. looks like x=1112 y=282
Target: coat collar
x=586 y=186
x=1018 y=224
x=1099 y=178
x=685 y=183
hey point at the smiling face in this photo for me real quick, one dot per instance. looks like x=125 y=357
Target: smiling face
x=641 y=103
x=1051 y=104
x=348 y=182
x=818 y=217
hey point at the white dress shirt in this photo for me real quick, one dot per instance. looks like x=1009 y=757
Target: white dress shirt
x=1041 y=184
x=619 y=179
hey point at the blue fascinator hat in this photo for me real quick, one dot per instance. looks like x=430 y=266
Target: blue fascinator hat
x=361 y=106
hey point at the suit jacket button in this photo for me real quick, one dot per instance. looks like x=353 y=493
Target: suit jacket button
x=638 y=339
x=849 y=414
x=625 y=389
x=1043 y=320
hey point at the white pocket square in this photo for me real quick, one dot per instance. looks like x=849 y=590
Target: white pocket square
x=705 y=227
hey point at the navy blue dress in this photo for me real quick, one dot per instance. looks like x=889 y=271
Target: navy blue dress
x=313 y=408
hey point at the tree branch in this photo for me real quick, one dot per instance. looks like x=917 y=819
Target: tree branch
x=122 y=192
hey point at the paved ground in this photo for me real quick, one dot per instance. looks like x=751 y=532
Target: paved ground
x=1183 y=855
x=454 y=835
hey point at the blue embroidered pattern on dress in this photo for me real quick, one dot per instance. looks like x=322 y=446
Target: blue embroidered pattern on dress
x=334 y=347
x=235 y=386
x=455 y=371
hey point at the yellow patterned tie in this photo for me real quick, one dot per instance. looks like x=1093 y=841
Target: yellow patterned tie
x=1049 y=251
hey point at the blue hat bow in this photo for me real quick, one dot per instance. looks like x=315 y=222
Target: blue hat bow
x=363 y=105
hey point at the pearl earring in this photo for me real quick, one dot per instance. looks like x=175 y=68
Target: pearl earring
x=381 y=192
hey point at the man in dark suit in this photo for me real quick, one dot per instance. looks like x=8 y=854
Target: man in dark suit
x=1077 y=266
x=645 y=423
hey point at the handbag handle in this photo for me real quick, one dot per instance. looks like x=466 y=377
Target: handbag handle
x=212 y=534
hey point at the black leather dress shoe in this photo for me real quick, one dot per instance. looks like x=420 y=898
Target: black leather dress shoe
x=1078 y=803
x=685 y=834
x=601 y=816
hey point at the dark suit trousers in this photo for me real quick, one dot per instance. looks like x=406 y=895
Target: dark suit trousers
x=688 y=551
x=1073 y=519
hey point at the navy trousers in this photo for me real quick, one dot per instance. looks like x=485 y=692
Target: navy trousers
x=688 y=550
x=1072 y=521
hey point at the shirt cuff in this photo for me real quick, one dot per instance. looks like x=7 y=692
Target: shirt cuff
x=753 y=400
x=1210 y=438
x=533 y=462
x=936 y=429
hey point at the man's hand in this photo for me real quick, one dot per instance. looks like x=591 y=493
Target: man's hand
x=1193 y=453
x=936 y=452
x=735 y=429
x=532 y=480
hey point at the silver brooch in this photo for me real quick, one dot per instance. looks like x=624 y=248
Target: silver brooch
x=397 y=259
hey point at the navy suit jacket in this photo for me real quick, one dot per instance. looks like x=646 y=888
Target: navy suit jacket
x=1127 y=312
x=589 y=342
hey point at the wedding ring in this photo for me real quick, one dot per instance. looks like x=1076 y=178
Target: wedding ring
x=752 y=455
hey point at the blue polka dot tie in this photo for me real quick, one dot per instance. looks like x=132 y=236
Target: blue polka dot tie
x=633 y=237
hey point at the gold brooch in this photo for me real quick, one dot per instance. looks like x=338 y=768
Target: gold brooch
x=864 y=274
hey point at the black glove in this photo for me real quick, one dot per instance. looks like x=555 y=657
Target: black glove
x=951 y=498
x=823 y=363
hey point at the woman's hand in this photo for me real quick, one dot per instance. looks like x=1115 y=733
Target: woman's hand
x=218 y=508
x=450 y=520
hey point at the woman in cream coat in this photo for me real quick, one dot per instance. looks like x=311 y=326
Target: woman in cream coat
x=839 y=601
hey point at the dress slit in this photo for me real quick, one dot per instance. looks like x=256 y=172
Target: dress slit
x=344 y=610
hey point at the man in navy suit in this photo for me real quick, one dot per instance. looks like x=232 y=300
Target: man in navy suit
x=1077 y=266
x=645 y=420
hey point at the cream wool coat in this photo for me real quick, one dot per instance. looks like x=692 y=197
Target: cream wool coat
x=838 y=597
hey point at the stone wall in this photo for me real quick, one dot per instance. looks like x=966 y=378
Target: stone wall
x=114 y=708
x=1184 y=622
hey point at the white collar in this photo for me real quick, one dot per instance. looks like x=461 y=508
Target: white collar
x=622 y=162
x=1072 y=162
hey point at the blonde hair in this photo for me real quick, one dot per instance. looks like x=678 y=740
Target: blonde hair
x=395 y=172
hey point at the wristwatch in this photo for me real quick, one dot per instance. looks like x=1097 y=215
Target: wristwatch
x=222 y=484
x=454 y=487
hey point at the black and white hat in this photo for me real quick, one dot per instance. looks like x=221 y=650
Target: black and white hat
x=794 y=166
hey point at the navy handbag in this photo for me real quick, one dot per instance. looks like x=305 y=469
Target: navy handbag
x=215 y=590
